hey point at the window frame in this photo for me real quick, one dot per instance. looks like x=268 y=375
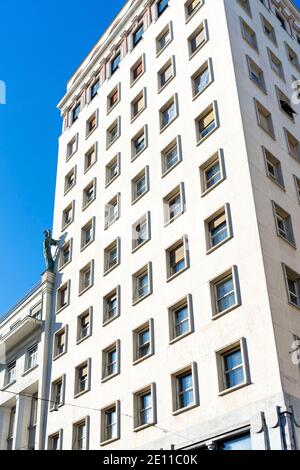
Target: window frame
x=116 y=347
x=79 y=338
x=146 y=269
x=103 y=432
x=233 y=273
x=147 y=219
x=136 y=357
x=185 y=301
x=189 y=369
x=184 y=242
x=218 y=156
x=147 y=390
x=240 y=344
x=116 y=292
x=114 y=245
x=227 y=212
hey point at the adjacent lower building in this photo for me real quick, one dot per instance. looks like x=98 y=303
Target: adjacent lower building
x=175 y=315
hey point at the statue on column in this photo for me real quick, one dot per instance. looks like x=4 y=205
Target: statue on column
x=48 y=243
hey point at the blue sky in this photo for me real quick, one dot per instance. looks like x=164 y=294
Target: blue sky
x=41 y=44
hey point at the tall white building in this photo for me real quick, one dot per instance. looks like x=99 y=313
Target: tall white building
x=176 y=309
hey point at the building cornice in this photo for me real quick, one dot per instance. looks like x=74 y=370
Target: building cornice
x=96 y=54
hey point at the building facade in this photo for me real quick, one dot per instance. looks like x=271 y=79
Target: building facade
x=174 y=320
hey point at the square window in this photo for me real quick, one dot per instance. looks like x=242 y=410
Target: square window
x=80 y=435
x=245 y=5
x=137 y=70
x=206 y=123
x=138 y=105
x=185 y=389
x=249 y=35
x=201 y=79
x=112 y=211
x=89 y=194
x=293 y=145
x=84 y=325
x=72 y=147
x=70 y=180
x=60 y=342
x=90 y=157
x=139 y=143
x=174 y=204
x=141 y=232
x=140 y=184
x=111 y=305
x=197 y=40
x=63 y=296
x=112 y=170
x=141 y=284
x=177 y=258
x=111 y=361
x=297 y=184
x=91 y=124
x=273 y=168
x=164 y=39
x=180 y=319
x=88 y=233
x=212 y=173
x=57 y=393
x=112 y=256
x=293 y=286
x=232 y=366
x=171 y=156
x=218 y=228
x=225 y=293
x=143 y=342
x=68 y=216
x=168 y=113
x=269 y=30
x=283 y=224
x=86 y=277
x=110 y=423
x=191 y=7
x=276 y=65
x=55 y=441
x=113 y=132
x=264 y=119
x=166 y=73
x=65 y=254
x=256 y=74
x=144 y=408
x=114 y=97
x=292 y=56
x=82 y=378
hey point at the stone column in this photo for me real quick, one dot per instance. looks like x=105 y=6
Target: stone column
x=4 y=426
x=48 y=279
x=23 y=408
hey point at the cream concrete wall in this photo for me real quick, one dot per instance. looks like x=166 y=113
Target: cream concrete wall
x=251 y=320
x=286 y=319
